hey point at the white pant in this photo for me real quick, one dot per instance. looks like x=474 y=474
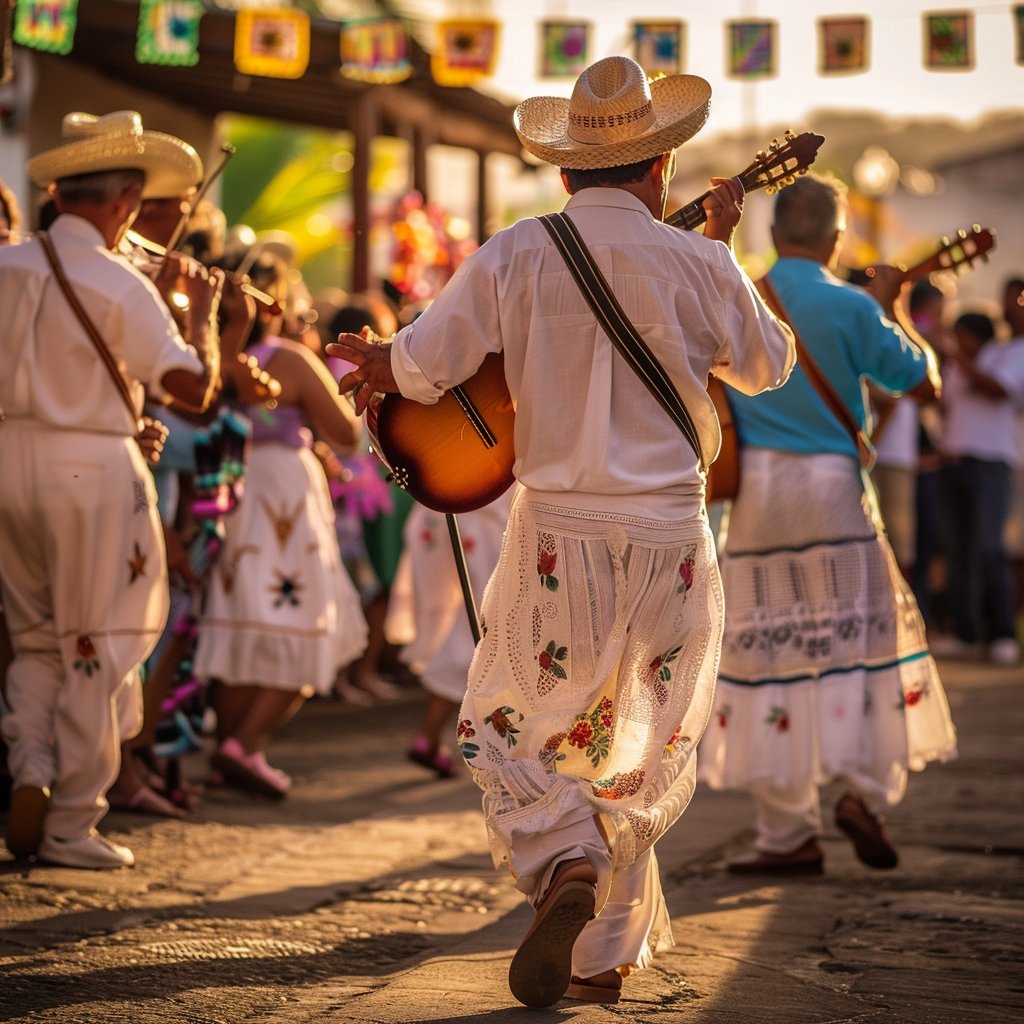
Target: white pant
x=787 y=816
x=632 y=920
x=84 y=588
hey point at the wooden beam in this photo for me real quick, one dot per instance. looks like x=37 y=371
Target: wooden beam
x=364 y=130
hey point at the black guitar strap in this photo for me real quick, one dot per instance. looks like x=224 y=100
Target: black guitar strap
x=619 y=328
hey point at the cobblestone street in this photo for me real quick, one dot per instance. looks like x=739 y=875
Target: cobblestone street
x=369 y=896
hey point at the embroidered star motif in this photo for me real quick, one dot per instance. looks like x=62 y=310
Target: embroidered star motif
x=137 y=564
x=287 y=590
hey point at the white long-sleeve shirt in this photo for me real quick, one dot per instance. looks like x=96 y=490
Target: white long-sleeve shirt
x=52 y=372
x=585 y=424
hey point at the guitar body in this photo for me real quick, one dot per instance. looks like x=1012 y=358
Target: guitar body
x=437 y=454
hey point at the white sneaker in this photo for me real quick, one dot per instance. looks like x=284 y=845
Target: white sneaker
x=91 y=851
x=1005 y=651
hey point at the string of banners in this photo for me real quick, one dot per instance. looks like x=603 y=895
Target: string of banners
x=274 y=42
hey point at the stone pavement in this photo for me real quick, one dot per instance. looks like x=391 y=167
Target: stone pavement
x=368 y=897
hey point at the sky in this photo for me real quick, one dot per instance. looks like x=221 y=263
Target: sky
x=895 y=82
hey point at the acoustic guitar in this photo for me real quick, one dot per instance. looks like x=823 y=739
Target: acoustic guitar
x=457 y=455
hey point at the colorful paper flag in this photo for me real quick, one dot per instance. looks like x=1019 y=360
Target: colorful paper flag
x=168 y=32
x=844 y=45
x=272 y=43
x=47 y=25
x=947 y=41
x=564 y=48
x=751 y=49
x=658 y=46
x=467 y=51
x=374 y=50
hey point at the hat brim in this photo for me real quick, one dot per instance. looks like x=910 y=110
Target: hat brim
x=172 y=167
x=681 y=105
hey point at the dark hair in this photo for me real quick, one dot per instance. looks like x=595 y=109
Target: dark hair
x=624 y=174
x=352 y=318
x=978 y=325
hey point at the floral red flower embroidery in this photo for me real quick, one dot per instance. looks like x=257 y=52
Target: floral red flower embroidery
x=581 y=734
x=87 y=661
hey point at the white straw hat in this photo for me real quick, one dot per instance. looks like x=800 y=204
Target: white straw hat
x=615 y=117
x=115 y=142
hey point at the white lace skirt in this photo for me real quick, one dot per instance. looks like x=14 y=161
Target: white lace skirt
x=825 y=669
x=427 y=609
x=594 y=677
x=281 y=610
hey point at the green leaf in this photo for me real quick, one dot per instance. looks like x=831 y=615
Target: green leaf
x=551 y=583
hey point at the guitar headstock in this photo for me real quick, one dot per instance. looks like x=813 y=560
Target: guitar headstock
x=778 y=165
x=964 y=248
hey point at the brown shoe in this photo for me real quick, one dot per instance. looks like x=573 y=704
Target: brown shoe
x=601 y=988
x=870 y=842
x=806 y=859
x=29 y=805
x=541 y=970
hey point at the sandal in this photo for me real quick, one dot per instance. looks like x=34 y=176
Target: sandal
x=429 y=755
x=145 y=800
x=541 y=971
x=605 y=987
x=249 y=771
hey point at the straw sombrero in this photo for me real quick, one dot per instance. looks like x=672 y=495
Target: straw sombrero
x=614 y=117
x=117 y=142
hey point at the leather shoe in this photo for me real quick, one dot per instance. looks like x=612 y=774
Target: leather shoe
x=806 y=859
x=91 y=851
x=29 y=805
x=872 y=846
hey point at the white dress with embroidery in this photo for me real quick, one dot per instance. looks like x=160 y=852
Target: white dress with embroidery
x=281 y=610
x=825 y=668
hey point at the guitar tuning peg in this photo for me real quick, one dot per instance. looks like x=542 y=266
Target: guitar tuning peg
x=789 y=179
x=945 y=241
x=961 y=233
x=762 y=155
x=775 y=146
x=789 y=135
x=770 y=190
x=803 y=170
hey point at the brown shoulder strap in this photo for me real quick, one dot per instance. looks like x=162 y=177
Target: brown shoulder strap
x=814 y=374
x=90 y=328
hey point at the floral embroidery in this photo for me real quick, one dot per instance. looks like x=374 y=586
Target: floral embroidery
x=550 y=670
x=661 y=673
x=463 y=734
x=911 y=697
x=779 y=718
x=136 y=564
x=499 y=721
x=621 y=784
x=686 y=571
x=593 y=733
x=671 y=745
x=86 y=661
x=549 y=752
x=287 y=590
x=547 y=560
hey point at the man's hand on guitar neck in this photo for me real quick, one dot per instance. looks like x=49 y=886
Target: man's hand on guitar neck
x=724 y=207
x=372 y=371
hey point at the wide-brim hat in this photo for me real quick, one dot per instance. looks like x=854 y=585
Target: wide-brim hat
x=615 y=116
x=115 y=142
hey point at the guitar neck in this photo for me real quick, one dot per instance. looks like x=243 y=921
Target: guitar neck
x=690 y=216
